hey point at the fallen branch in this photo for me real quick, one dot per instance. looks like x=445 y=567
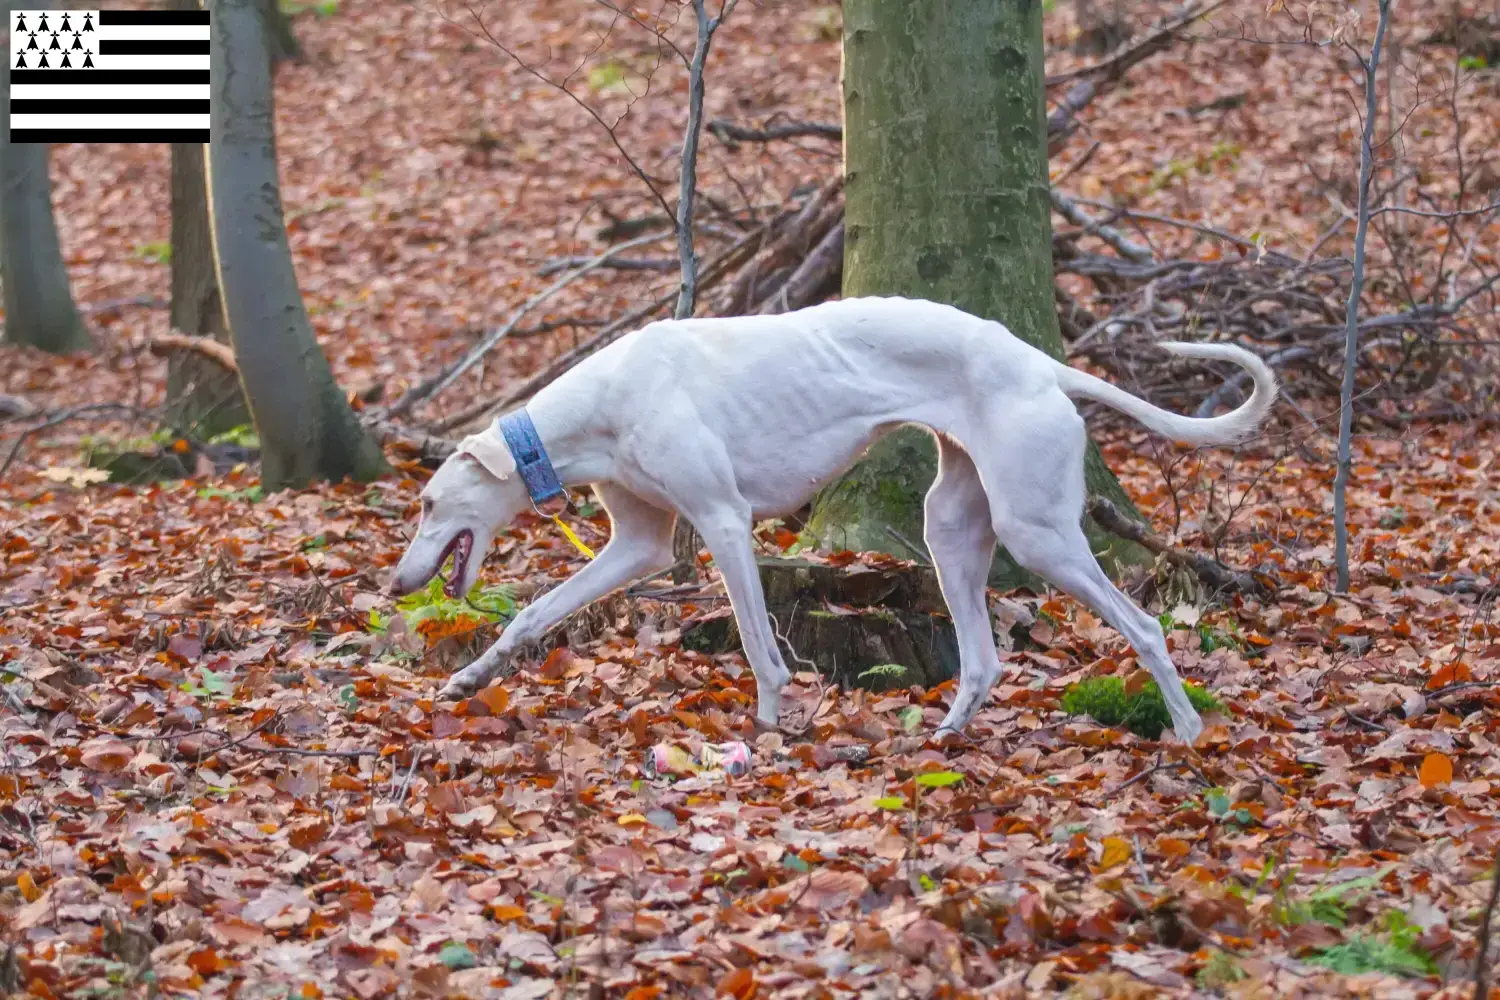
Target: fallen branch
x=433 y=386
x=1068 y=209
x=608 y=335
x=820 y=268
x=16 y=406
x=88 y=409
x=117 y=305
x=164 y=345
x=726 y=131
x=785 y=241
x=619 y=264
x=389 y=433
x=1096 y=79
x=1212 y=572
x=1114 y=65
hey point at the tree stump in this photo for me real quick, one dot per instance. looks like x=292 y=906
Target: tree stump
x=876 y=629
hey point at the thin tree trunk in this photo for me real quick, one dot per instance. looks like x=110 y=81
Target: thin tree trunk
x=204 y=398
x=685 y=540
x=1351 y=312
x=307 y=430
x=946 y=196
x=39 y=309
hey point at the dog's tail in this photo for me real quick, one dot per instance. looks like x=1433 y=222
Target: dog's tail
x=1229 y=428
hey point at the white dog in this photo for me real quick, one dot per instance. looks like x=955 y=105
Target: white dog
x=727 y=421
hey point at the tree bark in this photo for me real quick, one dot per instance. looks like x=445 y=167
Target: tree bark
x=946 y=198
x=205 y=398
x=306 y=427
x=39 y=309
x=281 y=42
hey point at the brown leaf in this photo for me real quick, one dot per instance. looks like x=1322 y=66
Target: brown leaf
x=106 y=754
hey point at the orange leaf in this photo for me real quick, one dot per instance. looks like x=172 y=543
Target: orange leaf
x=1450 y=673
x=739 y=983
x=1117 y=851
x=207 y=961
x=1136 y=682
x=1173 y=847
x=28 y=887
x=507 y=913
x=496 y=699
x=1437 y=769
x=644 y=993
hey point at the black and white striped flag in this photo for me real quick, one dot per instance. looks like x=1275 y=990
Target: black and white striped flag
x=108 y=76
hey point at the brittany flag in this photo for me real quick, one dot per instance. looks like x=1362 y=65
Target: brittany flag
x=108 y=76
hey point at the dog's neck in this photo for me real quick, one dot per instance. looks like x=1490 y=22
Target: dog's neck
x=566 y=421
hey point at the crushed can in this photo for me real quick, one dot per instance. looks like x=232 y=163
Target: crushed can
x=712 y=759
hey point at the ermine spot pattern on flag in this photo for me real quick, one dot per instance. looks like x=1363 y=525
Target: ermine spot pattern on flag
x=108 y=76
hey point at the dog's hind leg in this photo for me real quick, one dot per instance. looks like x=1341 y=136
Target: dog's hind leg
x=1038 y=509
x=640 y=544
x=962 y=543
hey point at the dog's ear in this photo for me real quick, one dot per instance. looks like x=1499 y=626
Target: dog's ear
x=490 y=451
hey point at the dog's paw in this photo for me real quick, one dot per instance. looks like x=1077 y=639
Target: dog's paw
x=457 y=688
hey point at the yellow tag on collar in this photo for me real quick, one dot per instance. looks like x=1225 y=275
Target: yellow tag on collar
x=570 y=536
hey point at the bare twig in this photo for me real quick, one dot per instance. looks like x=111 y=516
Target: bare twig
x=431 y=388
x=687 y=295
x=635 y=167
x=1356 y=286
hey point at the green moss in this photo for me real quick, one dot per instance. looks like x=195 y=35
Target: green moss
x=1145 y=713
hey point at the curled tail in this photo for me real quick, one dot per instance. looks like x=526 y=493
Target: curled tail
x=1229 y=428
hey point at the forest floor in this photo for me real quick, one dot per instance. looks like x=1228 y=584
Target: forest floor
x=222 y=771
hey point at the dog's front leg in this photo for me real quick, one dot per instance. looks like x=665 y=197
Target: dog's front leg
x=640 y=544
x=726 y=532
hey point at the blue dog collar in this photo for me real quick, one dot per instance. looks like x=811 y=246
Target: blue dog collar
x=531 y=458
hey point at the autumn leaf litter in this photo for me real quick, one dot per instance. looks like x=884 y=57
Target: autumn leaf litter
x=217 y=776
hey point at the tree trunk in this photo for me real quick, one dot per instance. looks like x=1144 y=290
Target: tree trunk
x=204 y=398
x=307 y=430
x=39 y=310
x=946 y=198
x=281 y=42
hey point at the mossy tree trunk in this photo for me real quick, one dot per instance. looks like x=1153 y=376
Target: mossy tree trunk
x=281 y=41
x=39 y=309
x=946 y=195
x=205 y=399
x=306 y=427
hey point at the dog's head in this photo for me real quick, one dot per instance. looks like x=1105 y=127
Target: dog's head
x=470 y=497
